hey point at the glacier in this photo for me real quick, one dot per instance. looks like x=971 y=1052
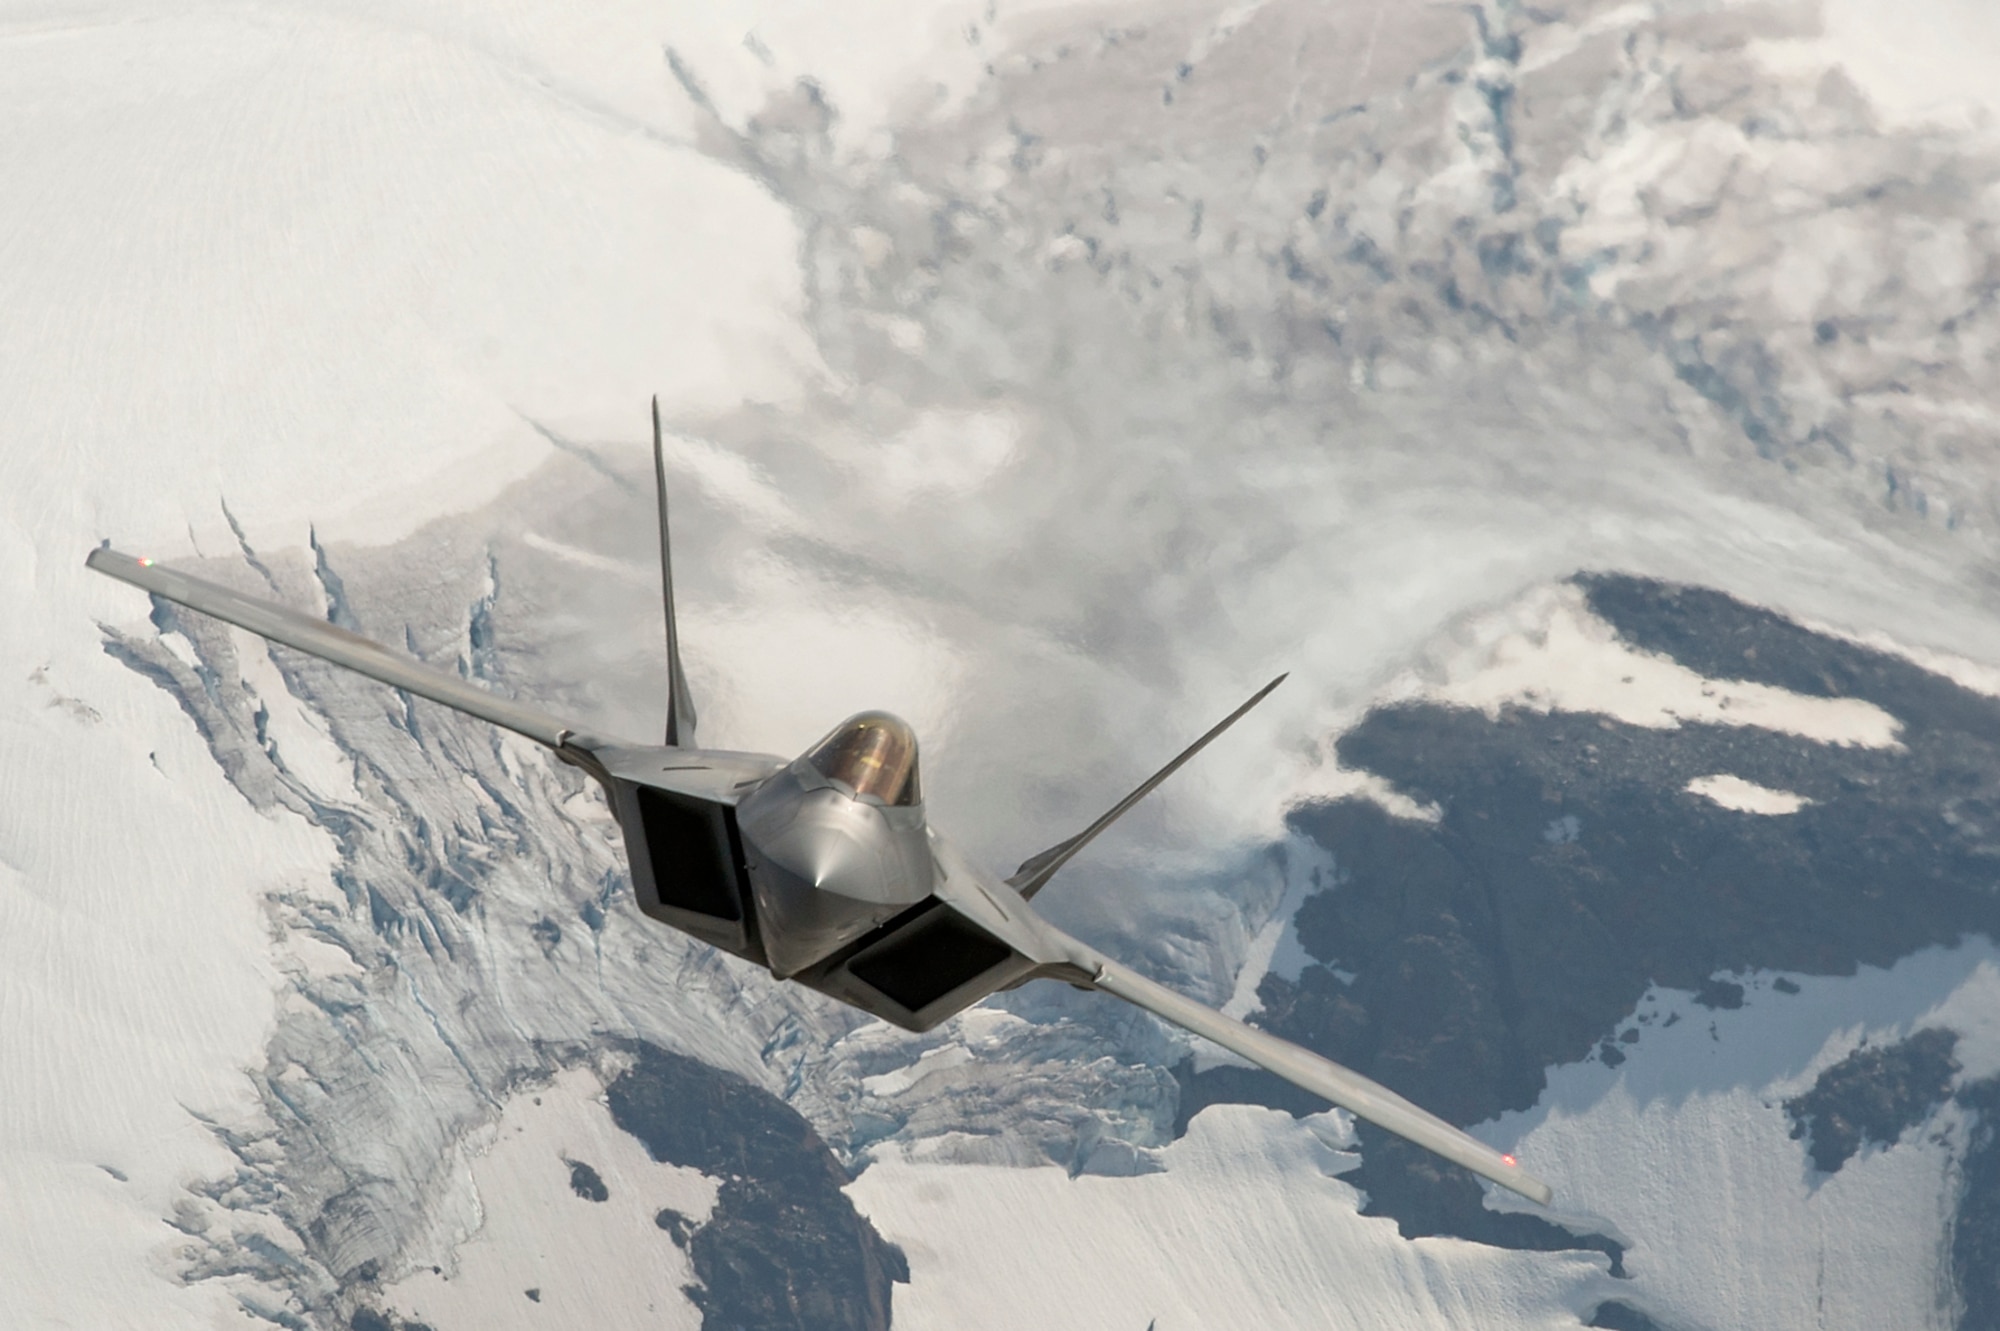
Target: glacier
x=1044 y=374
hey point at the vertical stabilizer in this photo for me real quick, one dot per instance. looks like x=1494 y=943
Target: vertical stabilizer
x=680 y=703
x=1035 y=872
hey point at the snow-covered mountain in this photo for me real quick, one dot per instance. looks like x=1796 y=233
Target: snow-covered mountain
x=1045 y=375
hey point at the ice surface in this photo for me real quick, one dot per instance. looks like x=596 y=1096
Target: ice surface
x=135 y=962
x=1685 y=1150
x=1735 y=1227
x=1105 y=358
x=931 y=1060
x=1275 y=949
x=1733 y=792
x=321 y=263
x=328 y=263
x=1247 y=1214
x=607 y=1263
x=1549 y=653
x=1916 y=63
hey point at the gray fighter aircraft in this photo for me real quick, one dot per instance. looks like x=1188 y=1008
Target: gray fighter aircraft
x=824 y=868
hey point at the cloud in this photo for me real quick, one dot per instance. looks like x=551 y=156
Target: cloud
x=1132 y=399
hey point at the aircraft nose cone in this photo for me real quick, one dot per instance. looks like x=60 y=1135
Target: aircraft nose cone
x=834 y=860
x=821 y=884
x=833 y=844
x=825 y=868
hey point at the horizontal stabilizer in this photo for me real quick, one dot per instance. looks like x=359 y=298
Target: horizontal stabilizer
x=316 y=637
x=1301 y=1067
x=1036 y=871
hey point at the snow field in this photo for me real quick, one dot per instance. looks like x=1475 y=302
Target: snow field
x=1246 y=1214
x=327 y=268
x=1546 y=652
x=1733 y=792
x=325 y=263
x=1928 y=63
x=1549 y=653
x=136 y=973
x=1684 y=1151
x=591 y=1263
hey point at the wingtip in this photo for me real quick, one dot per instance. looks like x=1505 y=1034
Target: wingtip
x=107 y=560
x=1521 y=1181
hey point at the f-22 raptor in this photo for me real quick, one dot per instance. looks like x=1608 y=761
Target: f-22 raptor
x=823 y=868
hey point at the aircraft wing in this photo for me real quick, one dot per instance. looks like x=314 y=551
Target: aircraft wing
x=1350 y=1090
x=316 y=637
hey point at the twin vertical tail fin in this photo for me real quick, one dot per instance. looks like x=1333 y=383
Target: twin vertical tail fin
x=1035 y=871
x=680 y=702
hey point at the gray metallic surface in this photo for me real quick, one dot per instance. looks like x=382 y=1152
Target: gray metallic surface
x=680 y=701
x=827 y=867
x=721 y=775
x=712 y=777
x=337 y=645
x=1350 y=1090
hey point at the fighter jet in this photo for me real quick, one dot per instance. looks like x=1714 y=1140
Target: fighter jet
x=824 y=868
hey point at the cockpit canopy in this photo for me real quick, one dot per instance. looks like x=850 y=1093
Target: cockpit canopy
x=872 y=754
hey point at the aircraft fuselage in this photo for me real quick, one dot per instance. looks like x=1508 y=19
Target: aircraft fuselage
x=790 y=866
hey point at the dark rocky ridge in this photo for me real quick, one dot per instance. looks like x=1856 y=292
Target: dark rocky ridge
x=1484 y=951
x=586 y=1182
x=1616 y=1316
x=784 y=1249
x=1874 y=1095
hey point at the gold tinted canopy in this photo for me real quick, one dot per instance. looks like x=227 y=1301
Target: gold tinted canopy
x=871 y=753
